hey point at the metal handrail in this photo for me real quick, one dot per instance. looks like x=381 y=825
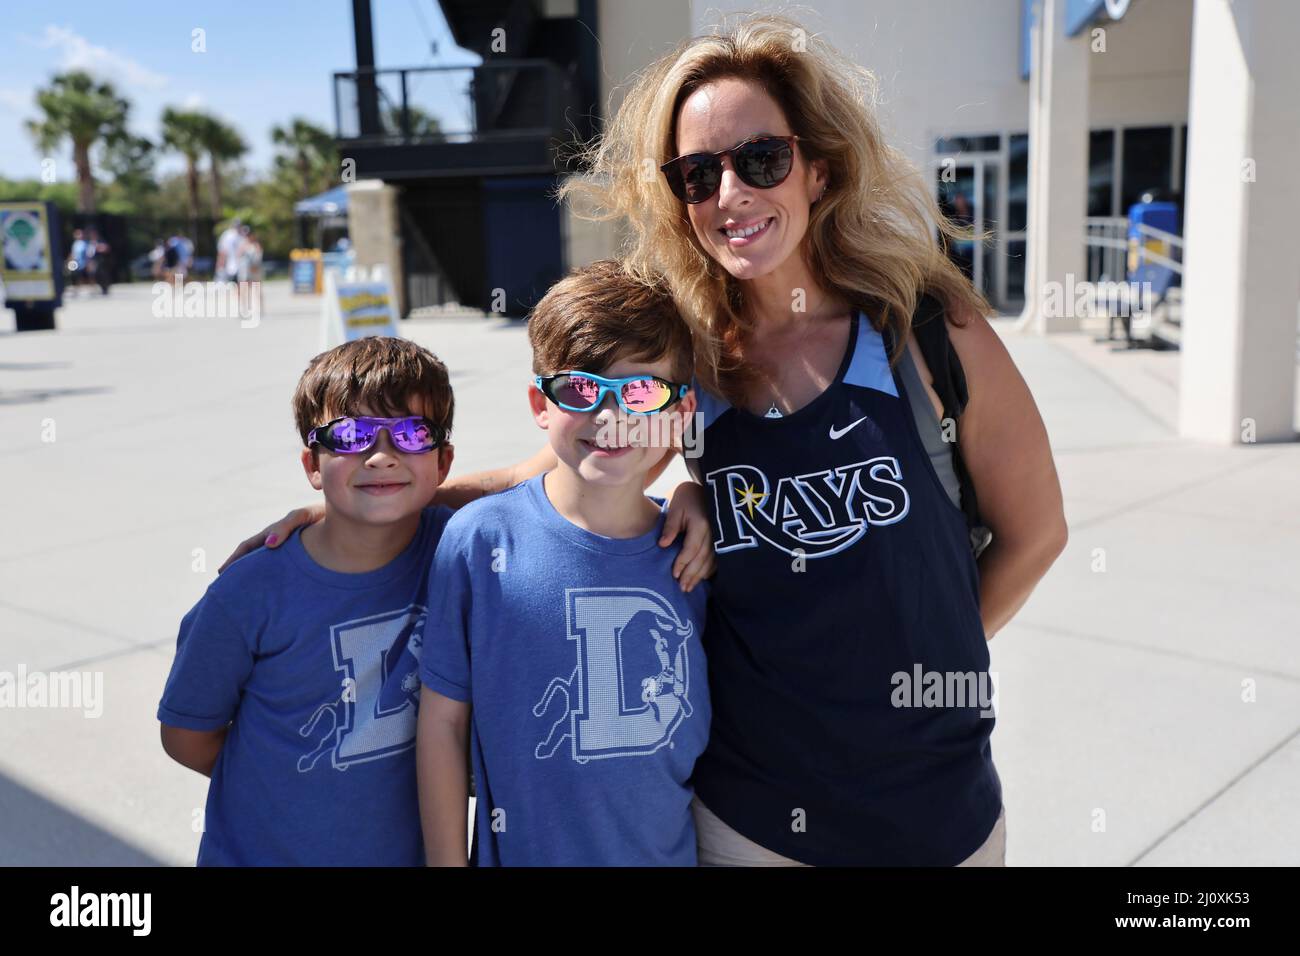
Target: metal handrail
x=485 y=111
x=1172 y=238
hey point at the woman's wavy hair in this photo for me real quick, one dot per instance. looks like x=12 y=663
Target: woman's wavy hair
x=870 y=237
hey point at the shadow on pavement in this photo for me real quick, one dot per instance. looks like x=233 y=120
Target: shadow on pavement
x=37 y=832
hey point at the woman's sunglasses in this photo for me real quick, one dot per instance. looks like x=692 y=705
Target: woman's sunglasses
x=414 y=435
x=762 y=162
x=583 y=391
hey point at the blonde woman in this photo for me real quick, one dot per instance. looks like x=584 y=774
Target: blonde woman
x=848 y=617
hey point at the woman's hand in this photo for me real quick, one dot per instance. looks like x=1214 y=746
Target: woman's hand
x=686 y=513
x=273 y=535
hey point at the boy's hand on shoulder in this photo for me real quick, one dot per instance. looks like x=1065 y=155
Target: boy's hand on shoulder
x=686 y=515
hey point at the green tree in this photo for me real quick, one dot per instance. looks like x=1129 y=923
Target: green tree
x=185 y=132
x=422 y=124
x=79 y=109
x=130 y=161
x=223 y=144
x=309 y=151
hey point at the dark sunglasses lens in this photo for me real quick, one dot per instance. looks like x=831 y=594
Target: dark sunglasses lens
x=765 y=162
x=347 y=435
x=415 y=435
x=701 y=176
x=646 y=394
x=575 y=391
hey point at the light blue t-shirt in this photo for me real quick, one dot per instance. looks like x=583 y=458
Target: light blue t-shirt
x=317 y=674
x=582 y=660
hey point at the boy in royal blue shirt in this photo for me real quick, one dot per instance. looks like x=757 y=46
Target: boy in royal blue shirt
x=295 y=683
x=555 y=620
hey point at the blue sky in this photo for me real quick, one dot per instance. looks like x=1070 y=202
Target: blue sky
x=266 y=61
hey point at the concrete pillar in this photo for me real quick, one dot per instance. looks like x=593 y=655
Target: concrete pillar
x=375 y=228
x=1058 y=170
x=1242 y=256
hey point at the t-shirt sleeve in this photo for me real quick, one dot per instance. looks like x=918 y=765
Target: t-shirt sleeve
x=214 y=658
x=445 y=657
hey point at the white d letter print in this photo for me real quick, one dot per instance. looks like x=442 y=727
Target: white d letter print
x=379 y=658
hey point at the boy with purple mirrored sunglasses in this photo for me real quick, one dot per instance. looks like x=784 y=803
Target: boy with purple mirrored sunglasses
x=296 y=678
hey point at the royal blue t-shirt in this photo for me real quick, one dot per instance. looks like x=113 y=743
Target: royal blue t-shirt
x=317 y=673
x=845 y=595
x=581 y=658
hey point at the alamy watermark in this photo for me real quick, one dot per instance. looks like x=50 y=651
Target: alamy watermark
x=208 y=300
x=655 y=431
x=53 y=689
x=922 y=688
x=1087 y=300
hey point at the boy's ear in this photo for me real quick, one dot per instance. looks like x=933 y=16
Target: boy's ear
x=311 y=465
x=446 y=455
x=539 y=406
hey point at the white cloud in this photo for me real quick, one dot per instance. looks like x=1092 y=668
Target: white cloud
x=78 y=53
x=192 y=102
x=15 y=101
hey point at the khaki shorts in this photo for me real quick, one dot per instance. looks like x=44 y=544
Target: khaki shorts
x=720 y=845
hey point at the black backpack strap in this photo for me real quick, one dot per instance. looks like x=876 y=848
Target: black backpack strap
x=930 y=326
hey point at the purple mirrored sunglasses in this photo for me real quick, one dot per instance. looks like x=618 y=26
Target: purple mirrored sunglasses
x=354 y=434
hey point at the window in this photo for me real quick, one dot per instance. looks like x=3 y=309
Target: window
x=1148 y=163
x=989 y=143
x=1101 y=172
x=1017 y=181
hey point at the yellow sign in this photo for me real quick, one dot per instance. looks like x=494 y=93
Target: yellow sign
x=28 y=266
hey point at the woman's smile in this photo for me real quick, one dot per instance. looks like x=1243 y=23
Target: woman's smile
x=744 y=234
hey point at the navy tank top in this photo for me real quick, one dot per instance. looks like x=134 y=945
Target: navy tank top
x=848 y=666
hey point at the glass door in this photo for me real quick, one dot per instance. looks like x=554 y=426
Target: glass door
x=967 y=190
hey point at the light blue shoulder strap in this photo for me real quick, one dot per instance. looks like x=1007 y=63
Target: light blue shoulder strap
x=869 y=367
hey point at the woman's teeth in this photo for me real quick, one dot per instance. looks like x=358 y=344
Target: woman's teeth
x=747 y=231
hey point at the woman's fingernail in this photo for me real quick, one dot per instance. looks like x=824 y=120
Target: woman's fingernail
x=271 y=539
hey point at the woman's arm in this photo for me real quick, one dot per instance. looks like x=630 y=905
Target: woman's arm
x=458 y=492
x=454 y=493
x=441 y=741
x=1005 y=447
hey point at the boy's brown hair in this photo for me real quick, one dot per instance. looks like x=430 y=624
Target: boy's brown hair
x=598 y=314
x=380 y=372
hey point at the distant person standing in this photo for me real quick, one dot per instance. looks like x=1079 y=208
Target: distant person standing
x=157 y=259
x=99 y=261
x=171 y=257
x=228 y=248
x=250 y=266
x=181 y=256
x=77 y=256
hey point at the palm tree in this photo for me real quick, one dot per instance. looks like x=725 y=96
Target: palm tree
x=420 y=123
x=223 y=143
x=78 y=108
x=184 y=132
x=311 y=152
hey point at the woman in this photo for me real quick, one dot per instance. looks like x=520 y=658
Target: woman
x=799 y=246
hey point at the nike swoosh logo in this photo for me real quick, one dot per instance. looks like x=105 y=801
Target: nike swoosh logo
x=841 y=432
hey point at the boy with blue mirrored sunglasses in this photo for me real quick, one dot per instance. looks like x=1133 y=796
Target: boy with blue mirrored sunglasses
x=643 y=394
